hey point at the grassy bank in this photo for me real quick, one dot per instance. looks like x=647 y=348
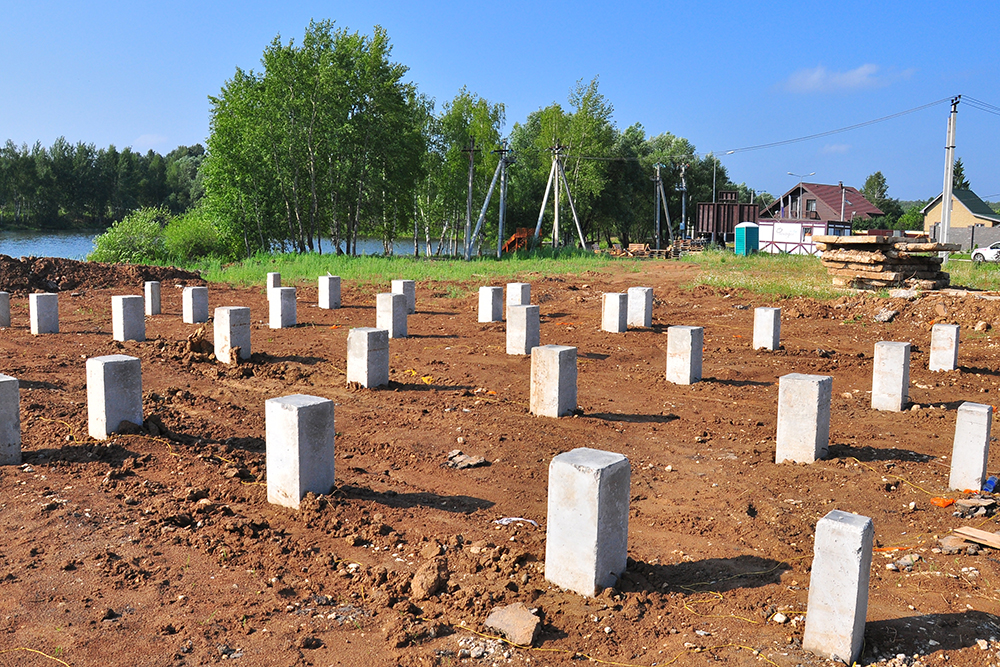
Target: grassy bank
x=772 y=275
x=378 y=271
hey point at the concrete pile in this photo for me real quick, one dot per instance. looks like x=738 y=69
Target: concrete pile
x=875 y=262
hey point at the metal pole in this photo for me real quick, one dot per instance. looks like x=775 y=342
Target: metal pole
x=572 y=208
x=545 y=200
x=555 y=220
x=503 y=199
x=468 y=209
x=666 y=211
x=949 y=175
x=489 y=195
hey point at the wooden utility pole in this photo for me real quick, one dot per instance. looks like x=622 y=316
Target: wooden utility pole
x=471 y=150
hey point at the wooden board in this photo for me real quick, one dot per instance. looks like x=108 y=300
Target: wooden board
x=978 y=536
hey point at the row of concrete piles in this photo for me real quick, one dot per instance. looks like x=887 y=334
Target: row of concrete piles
x=588 y=497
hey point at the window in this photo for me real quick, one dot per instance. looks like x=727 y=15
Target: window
x=807 y=233
x=810 y=204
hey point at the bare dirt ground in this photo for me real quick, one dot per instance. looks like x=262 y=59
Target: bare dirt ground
x=162 y=550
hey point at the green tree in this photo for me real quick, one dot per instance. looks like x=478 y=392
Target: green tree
x=958 y=180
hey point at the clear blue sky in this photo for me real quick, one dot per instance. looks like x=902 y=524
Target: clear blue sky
x=725 y=75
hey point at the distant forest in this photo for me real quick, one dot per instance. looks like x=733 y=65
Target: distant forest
x=75 y=186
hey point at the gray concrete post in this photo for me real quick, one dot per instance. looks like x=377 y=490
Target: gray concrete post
x=614 y=312
x=944 y=347
x=390 y=313
x=10 y=421
x=151 y=294
x=523 y=329
x=4 y=309
x=408 y=288
x=766 y=328
x=518 y=294
x=586 y=535
x=803 y=417
x=891 y=376
x=194 y=305
x=114 y=394
x=232 y=330
x=299 y=437
x=329 y=292
x=838 y=586
x=281 y=308
x=684 y=349
x=44 y=313
x=368 y=357
x=971 y=447
x=128 y=319
x=273 y=282
x=553 y=380
x=490 y=304
x=640 y=307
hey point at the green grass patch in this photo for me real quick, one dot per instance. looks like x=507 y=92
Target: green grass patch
x=764 y=273
x=985 y=276
x=375 y=272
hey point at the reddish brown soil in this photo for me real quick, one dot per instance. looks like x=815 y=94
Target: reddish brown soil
x=162 y=550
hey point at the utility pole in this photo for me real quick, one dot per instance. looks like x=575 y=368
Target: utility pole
x=501 y=172
x=656 y=203
x=683 y=189
x=556 y=156
x=949 y=174
x=471 y=150
x=503 y=195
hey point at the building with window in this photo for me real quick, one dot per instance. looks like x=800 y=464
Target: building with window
x=791 y=221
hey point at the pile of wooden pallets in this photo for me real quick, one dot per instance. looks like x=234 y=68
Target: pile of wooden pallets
x=875 y=262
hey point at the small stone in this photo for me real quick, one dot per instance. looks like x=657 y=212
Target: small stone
x=982 y=326
x=982 y=644
x=886 y=315
x=779 y=618
x=428 y=579
x=515 y=622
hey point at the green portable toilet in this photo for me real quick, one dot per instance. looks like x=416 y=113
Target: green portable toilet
x=747 y=238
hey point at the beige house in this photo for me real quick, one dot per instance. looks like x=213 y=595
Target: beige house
x=967 y=210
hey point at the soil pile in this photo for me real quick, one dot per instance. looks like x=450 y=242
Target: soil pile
x=55 y=274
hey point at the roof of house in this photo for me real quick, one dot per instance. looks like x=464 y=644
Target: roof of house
x=855 y=204
x=971 y=201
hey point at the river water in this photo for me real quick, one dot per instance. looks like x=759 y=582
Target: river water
x=77 y=245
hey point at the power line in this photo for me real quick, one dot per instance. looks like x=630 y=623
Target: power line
x=982 y=106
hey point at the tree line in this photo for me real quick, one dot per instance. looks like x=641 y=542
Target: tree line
x=81 y=186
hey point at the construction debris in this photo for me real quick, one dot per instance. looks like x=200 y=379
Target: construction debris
x=878 y=262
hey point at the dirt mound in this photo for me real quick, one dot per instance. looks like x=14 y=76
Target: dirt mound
x=55 y=274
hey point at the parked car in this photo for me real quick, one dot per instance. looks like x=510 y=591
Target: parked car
x=990 y=254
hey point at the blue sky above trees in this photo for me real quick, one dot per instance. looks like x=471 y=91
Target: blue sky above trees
x=724 y=75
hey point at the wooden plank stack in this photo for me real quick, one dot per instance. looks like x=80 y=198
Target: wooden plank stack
x=876 y=262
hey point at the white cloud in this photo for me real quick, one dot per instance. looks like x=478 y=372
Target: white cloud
x=835 y=149
x=147 y=142
x=821 y=80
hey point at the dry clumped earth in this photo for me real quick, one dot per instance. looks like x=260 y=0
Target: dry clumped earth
x=159 y=548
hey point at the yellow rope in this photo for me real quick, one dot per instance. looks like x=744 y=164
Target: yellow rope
x=902 y=479
x=31 y=650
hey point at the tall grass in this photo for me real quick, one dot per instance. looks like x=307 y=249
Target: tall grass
x=764 y=273
x=984 y=276
x=377 y=270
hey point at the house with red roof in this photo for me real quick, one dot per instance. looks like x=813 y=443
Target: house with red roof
x=811 y=209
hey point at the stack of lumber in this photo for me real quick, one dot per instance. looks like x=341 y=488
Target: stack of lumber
x=875 y=262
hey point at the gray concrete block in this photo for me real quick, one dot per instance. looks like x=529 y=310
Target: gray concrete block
x=408 y=288
x=614 y=312
x=10 y=421
x=684 y=349
x=299 y=436
x=281 y=308
x=640 y=307
x=114 y=394
x=944 y=347
x=128 y=318
x=803 y=417
x=586 y=537
x=4 y=309
x=523 y=329
x=44 y=313
x=891 y=376
x=390 y=313
x=518 y=294
x=838 y=586
x=766 y=328
x=368 y=357
x=329 y=292
x=553 y=380
x=232 y=330
x=490 y=304
x=194 y=302
x=971 y=447
x=273 y=281
x=151 y=294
